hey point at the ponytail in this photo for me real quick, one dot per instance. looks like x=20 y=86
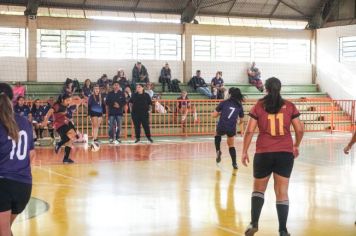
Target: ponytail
x=7 y=117
x=273 y=101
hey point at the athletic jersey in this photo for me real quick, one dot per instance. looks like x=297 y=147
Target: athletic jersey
x=274 y=129
x=94 y=105
x=15 y=157
x=37 y=114
x=22 y=111
x=59 y=116
x=229 y=113
x=183 y=102
x=45 y=110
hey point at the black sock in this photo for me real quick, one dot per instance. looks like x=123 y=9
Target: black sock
x=66 y=152
x=282 y=211
x=232 y=152
x=63 y=141
x=257 y=201
x=41 y=133
x=51 y=133
x=217 y=142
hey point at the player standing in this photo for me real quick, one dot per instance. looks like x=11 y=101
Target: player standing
x=275 y=151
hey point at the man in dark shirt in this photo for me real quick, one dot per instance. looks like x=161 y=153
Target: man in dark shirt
x=115 y=102
x=198 y=83
x=139 y=75
x=165 y=78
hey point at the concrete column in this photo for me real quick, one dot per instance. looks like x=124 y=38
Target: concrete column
x=187 y=51
x=31 y=49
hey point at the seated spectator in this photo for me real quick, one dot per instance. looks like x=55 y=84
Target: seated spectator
x=18 y=90
x=104 y=84
x=45 y=110
x=165 y=78
x=254 y=77
x=198 y=84
x=149 y=90
x=217 y=84
x=21 y=109
x=37 y=118
x=184 y=107
x=87 y=89
x=139 y=75
x=121 y=78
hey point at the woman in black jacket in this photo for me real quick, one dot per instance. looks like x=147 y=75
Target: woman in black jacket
x=140 y=104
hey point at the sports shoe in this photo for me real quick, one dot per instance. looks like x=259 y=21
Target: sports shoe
x=234 y=165
x=137 y=140
x=150 y=140
x=111 y=141
x=68 y=161
x=250 y=231
x=57 y=148
x=218 y=156
x=118 y=140
x=284 y=233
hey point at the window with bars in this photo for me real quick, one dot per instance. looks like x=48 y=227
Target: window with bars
x=12 y=42
x=113 y=45
x=347 y=48
x=228 y=48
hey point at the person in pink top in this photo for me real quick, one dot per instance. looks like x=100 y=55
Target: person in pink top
x=18 y=90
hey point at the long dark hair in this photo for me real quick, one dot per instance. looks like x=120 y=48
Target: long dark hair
x=7 y=117
x=62 y=97
x=273 y=101
x=236 y=96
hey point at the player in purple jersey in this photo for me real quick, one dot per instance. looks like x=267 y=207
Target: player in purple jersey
x=16 y=150
x=229 y=111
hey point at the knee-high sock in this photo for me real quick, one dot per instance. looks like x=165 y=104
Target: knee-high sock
x=63 y=141
x=282 y=212
x=232 y=152
x=66 y=152
x=217 y=142
x=257 y=201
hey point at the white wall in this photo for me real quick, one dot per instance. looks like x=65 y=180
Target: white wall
x=235 y=72
x=335 y=78
x=13 y=69
x=55 y=69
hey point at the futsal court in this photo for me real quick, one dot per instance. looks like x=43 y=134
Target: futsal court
x=174 y=187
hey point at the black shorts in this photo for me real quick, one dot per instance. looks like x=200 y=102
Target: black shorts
x=14 y=195
x=281 y=163
x=229 y=133
x=64 y=129
x=95 y=114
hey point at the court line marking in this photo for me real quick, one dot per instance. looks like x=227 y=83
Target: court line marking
x=61 y=175
x=229 y=230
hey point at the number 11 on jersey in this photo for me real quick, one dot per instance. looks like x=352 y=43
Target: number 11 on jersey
x=272 y=118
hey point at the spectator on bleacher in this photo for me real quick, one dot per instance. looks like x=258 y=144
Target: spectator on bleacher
x=104 y=84
x=22 y=109
x=45 y=110
x=139 y=75
x=149 y=89
x=122 y=79
x=37 y=118
x=165 y=78
x=18 y=90
x=68 y=88
x=115 y=103
x=140 y=103
x=184 y=107
x=86 y=89
x=96 y=109
x=198 y=84
x=254 y=77
x=218 y=83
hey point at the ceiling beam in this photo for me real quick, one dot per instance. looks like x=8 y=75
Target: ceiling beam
x=274 y=8
x=216 y=4
x=232 y=7
x=293 y=8
x=323 y=14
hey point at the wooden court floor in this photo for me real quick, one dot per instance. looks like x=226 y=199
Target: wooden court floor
x=173 y=187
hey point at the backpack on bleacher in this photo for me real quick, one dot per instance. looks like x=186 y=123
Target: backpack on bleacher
x=175 y=86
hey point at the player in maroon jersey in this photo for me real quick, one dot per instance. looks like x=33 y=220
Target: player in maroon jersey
x=275 y=151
